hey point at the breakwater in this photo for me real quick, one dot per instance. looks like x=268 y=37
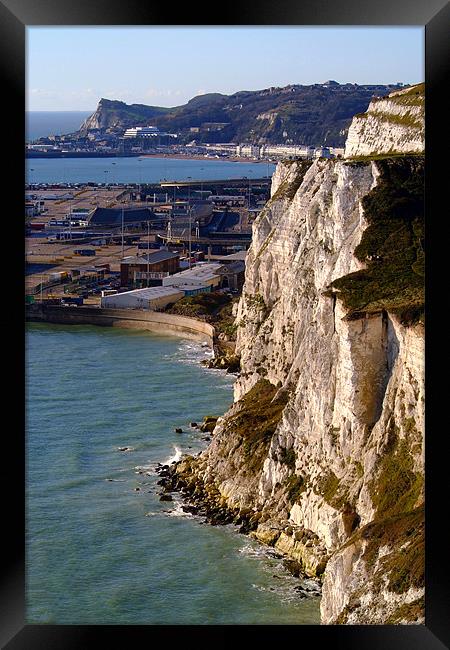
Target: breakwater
x=142 y=319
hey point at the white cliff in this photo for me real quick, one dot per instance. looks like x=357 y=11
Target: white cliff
x=336 y=481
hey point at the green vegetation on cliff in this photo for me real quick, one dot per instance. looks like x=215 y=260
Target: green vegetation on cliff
x=404 y=535
x=215 y=308
x=256 y=421
x=289 y=187
x=392 y=245
x=396 y=488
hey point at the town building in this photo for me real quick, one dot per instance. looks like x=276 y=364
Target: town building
x=286 y=150
x=322 y=152
x=247 y=150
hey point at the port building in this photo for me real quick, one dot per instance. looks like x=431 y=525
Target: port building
x=142 y=132
x=146 y=132
x=112 y=217
x=156 y=298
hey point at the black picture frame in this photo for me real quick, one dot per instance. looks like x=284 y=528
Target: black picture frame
x=15 y=16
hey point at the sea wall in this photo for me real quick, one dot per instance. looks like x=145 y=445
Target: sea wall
x=152 y=321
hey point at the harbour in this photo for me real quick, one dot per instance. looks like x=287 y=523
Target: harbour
x=138 y=169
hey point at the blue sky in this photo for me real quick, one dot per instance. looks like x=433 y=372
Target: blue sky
x=72 y=68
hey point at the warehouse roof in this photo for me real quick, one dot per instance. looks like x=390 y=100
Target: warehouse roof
x=235 y=267
x=113 y=216
x=189 y=287
x=149 y=292
x=153 y=258
x=197 y=274
x=240 y=255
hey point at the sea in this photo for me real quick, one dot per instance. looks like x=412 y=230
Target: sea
x=140 y=169
x=101 y=548
x=40 y=124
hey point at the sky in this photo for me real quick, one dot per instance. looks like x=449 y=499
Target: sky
x=71 y=68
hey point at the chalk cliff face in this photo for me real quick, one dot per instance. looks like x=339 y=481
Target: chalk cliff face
x=113 y=114
x=324 y=443
x=392 y=124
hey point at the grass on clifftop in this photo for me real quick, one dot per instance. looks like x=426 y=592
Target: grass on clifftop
x=392 y=245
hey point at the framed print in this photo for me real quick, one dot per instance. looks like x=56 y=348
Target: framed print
x=223 y=364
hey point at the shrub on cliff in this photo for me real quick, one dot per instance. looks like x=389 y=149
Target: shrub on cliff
x=392 y=246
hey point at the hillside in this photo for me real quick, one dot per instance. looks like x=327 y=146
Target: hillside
x=314 y=115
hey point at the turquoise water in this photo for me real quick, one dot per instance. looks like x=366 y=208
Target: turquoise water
x=138 y=170
x=97 y=550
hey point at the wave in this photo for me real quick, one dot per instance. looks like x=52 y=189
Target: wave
x=249 y=550
x=175 y=458
x=148 y=469
x=178 y=511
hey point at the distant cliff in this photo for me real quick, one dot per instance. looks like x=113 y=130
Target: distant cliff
x=322 y=452
x=393 y=124
x=315 y=115
x=118 y=115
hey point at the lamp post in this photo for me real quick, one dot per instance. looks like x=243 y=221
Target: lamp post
x=189 y=178
x=249 y=195
x=140 y=175
x=190 y=235
x=122 y=228
x=70 y=220
x=148 y=247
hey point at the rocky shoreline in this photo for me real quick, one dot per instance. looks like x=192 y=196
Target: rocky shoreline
x=204 y=500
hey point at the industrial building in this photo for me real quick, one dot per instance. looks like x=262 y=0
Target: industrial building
x=156 y=298
x=148 y=269
x=201 y=275
x=112 y=217
x=193 y=289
